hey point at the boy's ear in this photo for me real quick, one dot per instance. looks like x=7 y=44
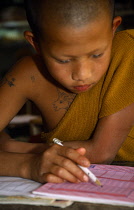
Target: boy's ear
x=29 y=36
x=116 y=22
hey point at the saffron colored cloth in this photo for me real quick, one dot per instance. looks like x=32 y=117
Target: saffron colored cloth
x=114 y=92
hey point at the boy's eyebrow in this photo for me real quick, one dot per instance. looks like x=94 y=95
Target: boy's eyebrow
x=73 y=56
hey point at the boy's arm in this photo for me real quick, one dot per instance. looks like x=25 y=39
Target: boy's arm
x=15 y=88
x=13 y=93
x=8 y=144
x=110 y=133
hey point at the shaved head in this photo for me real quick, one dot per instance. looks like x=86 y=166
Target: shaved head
x=74 y=13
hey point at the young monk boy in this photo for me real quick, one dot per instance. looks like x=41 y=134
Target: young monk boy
x=81 y=80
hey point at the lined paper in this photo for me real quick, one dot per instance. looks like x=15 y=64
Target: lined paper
x=118 y=187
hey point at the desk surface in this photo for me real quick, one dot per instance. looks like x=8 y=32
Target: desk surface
x=74 y=206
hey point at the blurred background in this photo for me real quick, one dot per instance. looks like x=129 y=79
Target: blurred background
x=13 y=46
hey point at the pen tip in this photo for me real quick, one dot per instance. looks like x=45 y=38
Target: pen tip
x=98 y=183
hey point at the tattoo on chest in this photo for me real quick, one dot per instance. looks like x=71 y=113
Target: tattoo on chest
x=10 y=82
x=63 y=101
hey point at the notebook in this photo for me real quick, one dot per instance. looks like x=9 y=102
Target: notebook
x=118 y=187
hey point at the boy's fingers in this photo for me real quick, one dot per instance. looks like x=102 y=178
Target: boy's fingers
x=63 y=165
x=73 y=155
x=64 y=174
x=67 y=169
x=81 y=151
x=51 y=178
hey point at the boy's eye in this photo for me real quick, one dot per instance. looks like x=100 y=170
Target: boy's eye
x=97 y=55
x=63 y=61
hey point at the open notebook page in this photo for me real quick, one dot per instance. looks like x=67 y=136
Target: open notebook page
x=118 y=187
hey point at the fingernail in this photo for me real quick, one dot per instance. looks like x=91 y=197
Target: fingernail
x=86 y=163
x=78 y=181
x=85 y=178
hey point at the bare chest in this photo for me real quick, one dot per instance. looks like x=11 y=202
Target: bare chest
x=53 y=105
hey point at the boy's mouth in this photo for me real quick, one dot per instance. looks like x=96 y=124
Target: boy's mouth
x=82 y=88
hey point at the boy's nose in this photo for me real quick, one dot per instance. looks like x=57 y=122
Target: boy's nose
x=81 y=72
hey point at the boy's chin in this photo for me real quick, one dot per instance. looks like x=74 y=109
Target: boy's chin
x=74 y=91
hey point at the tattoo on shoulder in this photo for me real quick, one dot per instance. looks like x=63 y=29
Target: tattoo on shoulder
x=33 y=78
x=9 y=82
x=63 y=101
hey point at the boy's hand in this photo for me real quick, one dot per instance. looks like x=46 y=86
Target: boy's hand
x=58 y=164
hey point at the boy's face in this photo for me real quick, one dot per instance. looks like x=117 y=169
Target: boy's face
x=77 y=58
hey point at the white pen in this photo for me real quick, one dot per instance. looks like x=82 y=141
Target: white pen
x=86 y=170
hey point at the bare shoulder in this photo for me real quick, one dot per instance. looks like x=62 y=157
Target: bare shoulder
x=26 y=67
x=24 y=74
